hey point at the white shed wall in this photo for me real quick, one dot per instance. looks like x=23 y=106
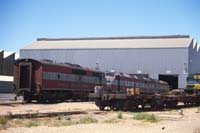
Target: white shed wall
x=194 y=58
x=152 y=61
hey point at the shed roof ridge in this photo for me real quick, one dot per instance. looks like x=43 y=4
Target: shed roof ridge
x=115 y=37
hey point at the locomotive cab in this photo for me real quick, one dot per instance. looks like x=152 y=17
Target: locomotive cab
x=24 y=78
x=110 y=77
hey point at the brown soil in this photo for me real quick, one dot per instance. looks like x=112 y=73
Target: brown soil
x=107 y=121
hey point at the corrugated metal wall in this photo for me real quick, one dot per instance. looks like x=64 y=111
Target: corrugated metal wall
x=8 y=65
x=1 y=62
x=6 y=87
x=194 y=59
x=147 y=61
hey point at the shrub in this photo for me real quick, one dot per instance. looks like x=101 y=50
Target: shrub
x=198 y=109
x=18 y=121
x=145 y=116
x=4 y=120
x=32 y=124
x=113 y=120
x=119 y=115
x=87 y=120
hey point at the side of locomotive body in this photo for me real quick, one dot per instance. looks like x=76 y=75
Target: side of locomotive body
x=50 y=81
x=120 y=82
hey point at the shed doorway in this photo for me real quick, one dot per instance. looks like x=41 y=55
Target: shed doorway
x=172 y=80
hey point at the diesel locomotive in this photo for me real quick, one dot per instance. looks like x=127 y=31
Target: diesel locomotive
x=47 y=81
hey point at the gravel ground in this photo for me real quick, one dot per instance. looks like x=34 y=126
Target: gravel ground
x=16 y=108
x=170 y=121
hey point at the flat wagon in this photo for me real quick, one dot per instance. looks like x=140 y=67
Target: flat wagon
x=121 y=94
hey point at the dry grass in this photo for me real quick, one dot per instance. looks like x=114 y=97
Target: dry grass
x=146 y=117
x=32 y=124
x=119 y=115
x=112 y=120
x=4 y=120
x=87 y=120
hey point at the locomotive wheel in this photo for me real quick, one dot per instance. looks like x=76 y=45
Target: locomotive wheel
x=101 y=107
x=26 y=97
x=112 y=107
x=100 y=104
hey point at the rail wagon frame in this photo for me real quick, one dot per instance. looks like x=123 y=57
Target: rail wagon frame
x=123 y=101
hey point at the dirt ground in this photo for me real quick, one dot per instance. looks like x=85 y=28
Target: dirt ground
x=170 y=121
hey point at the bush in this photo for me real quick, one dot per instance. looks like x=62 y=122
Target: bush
x=113 y=120
x=145 y=116
x=4 y=120
x=32 y=124
x=198 y=109
x=119 y=115
x=18 y=121
x=87 y=120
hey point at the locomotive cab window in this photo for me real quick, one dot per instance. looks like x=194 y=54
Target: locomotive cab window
x=58 y=76
x=78 y=72
x=95 y=74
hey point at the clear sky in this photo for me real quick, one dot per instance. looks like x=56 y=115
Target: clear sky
x=22 y=21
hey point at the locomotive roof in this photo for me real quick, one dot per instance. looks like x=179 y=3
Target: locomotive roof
x=168 y=41
x=140 y=78
x=50 y=62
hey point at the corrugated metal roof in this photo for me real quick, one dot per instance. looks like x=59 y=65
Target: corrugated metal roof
x=112 y=42
x=6 y=54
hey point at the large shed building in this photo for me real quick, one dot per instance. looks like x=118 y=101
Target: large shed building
x=170 y=58
x=7 y=60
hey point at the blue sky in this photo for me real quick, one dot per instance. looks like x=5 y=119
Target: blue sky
x=22 y=21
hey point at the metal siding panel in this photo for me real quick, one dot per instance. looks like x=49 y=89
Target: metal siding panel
x=150 y=61
x=194 y=56
x=6 y=87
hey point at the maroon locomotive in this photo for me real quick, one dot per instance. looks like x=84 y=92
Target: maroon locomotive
x=49 y=81
x=120 y=82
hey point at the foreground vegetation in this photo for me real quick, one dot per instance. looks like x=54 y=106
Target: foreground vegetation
x=6 y=122
x=146 y=117
x=62 y=120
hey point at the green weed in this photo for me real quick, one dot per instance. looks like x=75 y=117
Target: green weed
x=32 y=124
x=119 y=115
x=146 y=117
x=87 y=120
x=113 y=120
x=4 y=120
